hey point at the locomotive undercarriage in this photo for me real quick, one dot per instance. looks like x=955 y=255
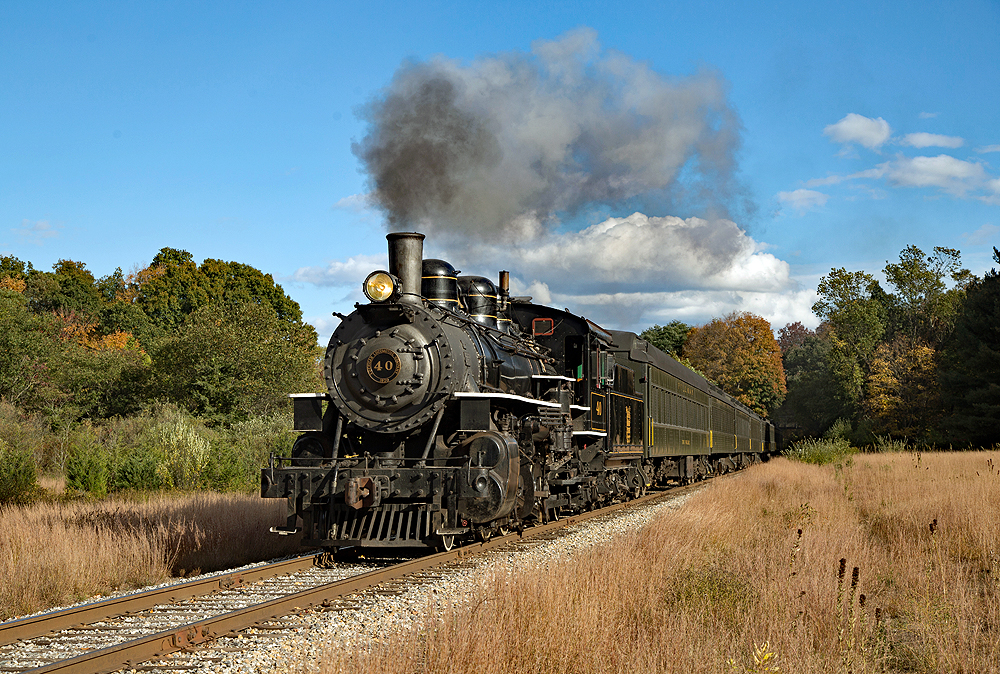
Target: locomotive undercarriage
x=407 y=497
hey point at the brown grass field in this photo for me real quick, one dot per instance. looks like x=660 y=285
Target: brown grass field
x=53 y=554
x=884 y=563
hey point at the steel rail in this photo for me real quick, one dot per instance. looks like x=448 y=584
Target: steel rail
x=151 y=647
x=39 y=625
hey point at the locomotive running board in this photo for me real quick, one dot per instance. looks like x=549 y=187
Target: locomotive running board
x=511 y=396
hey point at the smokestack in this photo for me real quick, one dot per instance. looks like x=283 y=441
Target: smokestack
x=406 y=255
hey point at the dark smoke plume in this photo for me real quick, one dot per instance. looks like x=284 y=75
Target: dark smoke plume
x=505 y=146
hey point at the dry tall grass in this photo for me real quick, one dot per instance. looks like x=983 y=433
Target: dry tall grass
x=57 y=553
x=753 y=574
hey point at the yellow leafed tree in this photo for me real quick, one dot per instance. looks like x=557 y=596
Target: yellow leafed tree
x=740 y=354
x=903 y=398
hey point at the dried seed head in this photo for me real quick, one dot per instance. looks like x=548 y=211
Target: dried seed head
x=843 y=569
x=878 y=614
x=800 y=533
x=861 y=600
x=854 y=577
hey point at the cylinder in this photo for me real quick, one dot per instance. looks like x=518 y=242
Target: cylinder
x=406 y=254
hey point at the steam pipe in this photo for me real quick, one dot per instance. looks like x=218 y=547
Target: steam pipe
x=406 y=254
x=336 y=451
x=432 y=438
x=504 y=288
x=336 y=436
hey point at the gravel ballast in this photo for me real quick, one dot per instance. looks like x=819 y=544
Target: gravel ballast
x=375 y=614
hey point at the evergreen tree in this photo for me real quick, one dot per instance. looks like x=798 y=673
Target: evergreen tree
x=971 y=373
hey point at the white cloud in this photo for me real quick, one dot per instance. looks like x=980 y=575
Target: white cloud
x=988 y=148
x=945 y=172
x=992 y=186
x=36 y=232
x=351 y=271
x=538 y=291
x=637 y=311
x=641 y=251
x=836 y=180
x=957 y=177
x=931 y=140
x=982 y=236
x=624 y=272
x=632 y=272
x=803 y=200
x=865 y=131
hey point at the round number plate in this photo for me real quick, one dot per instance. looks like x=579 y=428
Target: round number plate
x=383 y=365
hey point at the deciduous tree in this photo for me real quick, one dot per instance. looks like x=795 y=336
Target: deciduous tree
x=850 y=304
x=793 y=335
x=228 y=362
x=28 y=344
x=174 y=287
x=922 y=307
x=812 y=403
x=903 y=397
x=667 y=338
x=739 y=353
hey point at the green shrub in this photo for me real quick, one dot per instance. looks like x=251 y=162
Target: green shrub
x=884 y=443
x=88 y=469
x=185 y=454
x=839 y=430
x=138 y=469
x=239 y=454
x=24 y=433
x=820 y=450
x=17 y=475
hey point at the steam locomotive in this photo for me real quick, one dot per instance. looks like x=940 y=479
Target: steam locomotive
x=454 y=410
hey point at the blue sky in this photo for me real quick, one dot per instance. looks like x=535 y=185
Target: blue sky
x=226 y=129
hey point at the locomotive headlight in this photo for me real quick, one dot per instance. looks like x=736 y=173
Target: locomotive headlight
x=381 y=286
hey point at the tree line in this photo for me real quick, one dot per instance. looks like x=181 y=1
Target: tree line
x=220 y=339
x=154 y=378
x=916 y=360
x=171 y=376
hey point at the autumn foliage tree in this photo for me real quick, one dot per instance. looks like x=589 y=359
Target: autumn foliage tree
x=884 y=345
x=740 y=354
x=903 y=396
x=792 y=336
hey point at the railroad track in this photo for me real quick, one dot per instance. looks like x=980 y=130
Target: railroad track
x=121 y=633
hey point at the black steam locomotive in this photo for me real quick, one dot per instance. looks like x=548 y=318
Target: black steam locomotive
x=454 y=411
